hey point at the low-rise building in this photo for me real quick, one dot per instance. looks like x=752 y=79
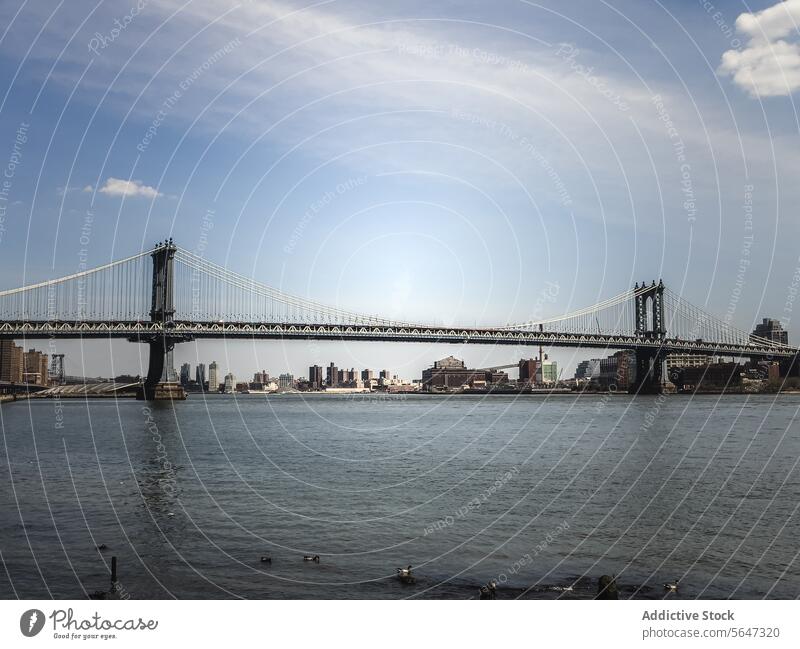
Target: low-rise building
x=450 y=373
x=588 y=370
x=617 y=371
x=688 y=360
x=527 y=370
x=715 y=376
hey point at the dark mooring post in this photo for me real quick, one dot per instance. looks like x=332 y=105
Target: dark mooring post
x=161 y=381
x=607 y=588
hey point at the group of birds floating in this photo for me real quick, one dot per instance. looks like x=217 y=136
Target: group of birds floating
x=606 y=585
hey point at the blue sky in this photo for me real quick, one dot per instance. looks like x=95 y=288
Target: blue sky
x=469 y=155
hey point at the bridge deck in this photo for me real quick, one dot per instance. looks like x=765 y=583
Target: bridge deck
x=186 y=330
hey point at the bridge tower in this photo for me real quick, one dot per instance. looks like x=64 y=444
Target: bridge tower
x=161 y=382
x=650 y=325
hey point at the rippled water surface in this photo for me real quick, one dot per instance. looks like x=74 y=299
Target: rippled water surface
x=538 y=493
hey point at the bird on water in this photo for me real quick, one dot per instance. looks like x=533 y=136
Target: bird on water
x=406 y=576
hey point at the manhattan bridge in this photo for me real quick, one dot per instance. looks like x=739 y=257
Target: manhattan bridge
x=167 y=296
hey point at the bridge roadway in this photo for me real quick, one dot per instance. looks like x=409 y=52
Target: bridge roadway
x=145 y=331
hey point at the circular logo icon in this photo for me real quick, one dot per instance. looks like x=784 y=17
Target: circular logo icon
x=31 y=622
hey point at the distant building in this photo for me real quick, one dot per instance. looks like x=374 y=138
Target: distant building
x=618 y=370
x=449 y=373
x=230 y=383
x=12 y=364
x=186 y=372
x=772 y=330
x=770 y=370
x=19 y=362
x=588 y=370
x=56 y=371
x=286 y=381
x=315 y=377
x=172 y=375
x=688 y=360
x=200 y=375
x=385 y=374
x=332 y=376
x=261 y=377
x=366 y=375
x=213 y=377
x=547 y=372
x=34 y=367
x=527 y=370
x=495 y=377
x=717 y=376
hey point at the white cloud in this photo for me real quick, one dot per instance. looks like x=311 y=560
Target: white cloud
x=128 y=188
x=769 y=64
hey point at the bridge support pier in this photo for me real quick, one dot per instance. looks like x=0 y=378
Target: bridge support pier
x=649 y=364
x=651 y=326
x=161 y=382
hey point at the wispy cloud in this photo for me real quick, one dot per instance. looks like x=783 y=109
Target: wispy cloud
x=128 y=188
x=476 y=100
x=63 y=191
x=769 y=65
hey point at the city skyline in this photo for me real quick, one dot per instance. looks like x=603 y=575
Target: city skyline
x=582 y=366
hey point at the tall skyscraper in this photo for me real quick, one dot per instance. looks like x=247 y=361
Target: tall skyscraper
x=186 y=372
x=200 y=375
x=385 y=374
x=230 y=383
x=772 y=330
x=11 y=362
x=213 y=379
x=366 y=375
x=56 y=371
x=315 y=377
x=332 y=377
x=34 y=367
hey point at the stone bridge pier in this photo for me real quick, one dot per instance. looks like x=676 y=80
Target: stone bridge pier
x=650 y=324
x=161 y=381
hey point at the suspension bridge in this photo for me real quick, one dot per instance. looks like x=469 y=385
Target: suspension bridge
x=167 y=295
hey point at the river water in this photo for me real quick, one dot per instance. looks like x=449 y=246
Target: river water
x=541 y=494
